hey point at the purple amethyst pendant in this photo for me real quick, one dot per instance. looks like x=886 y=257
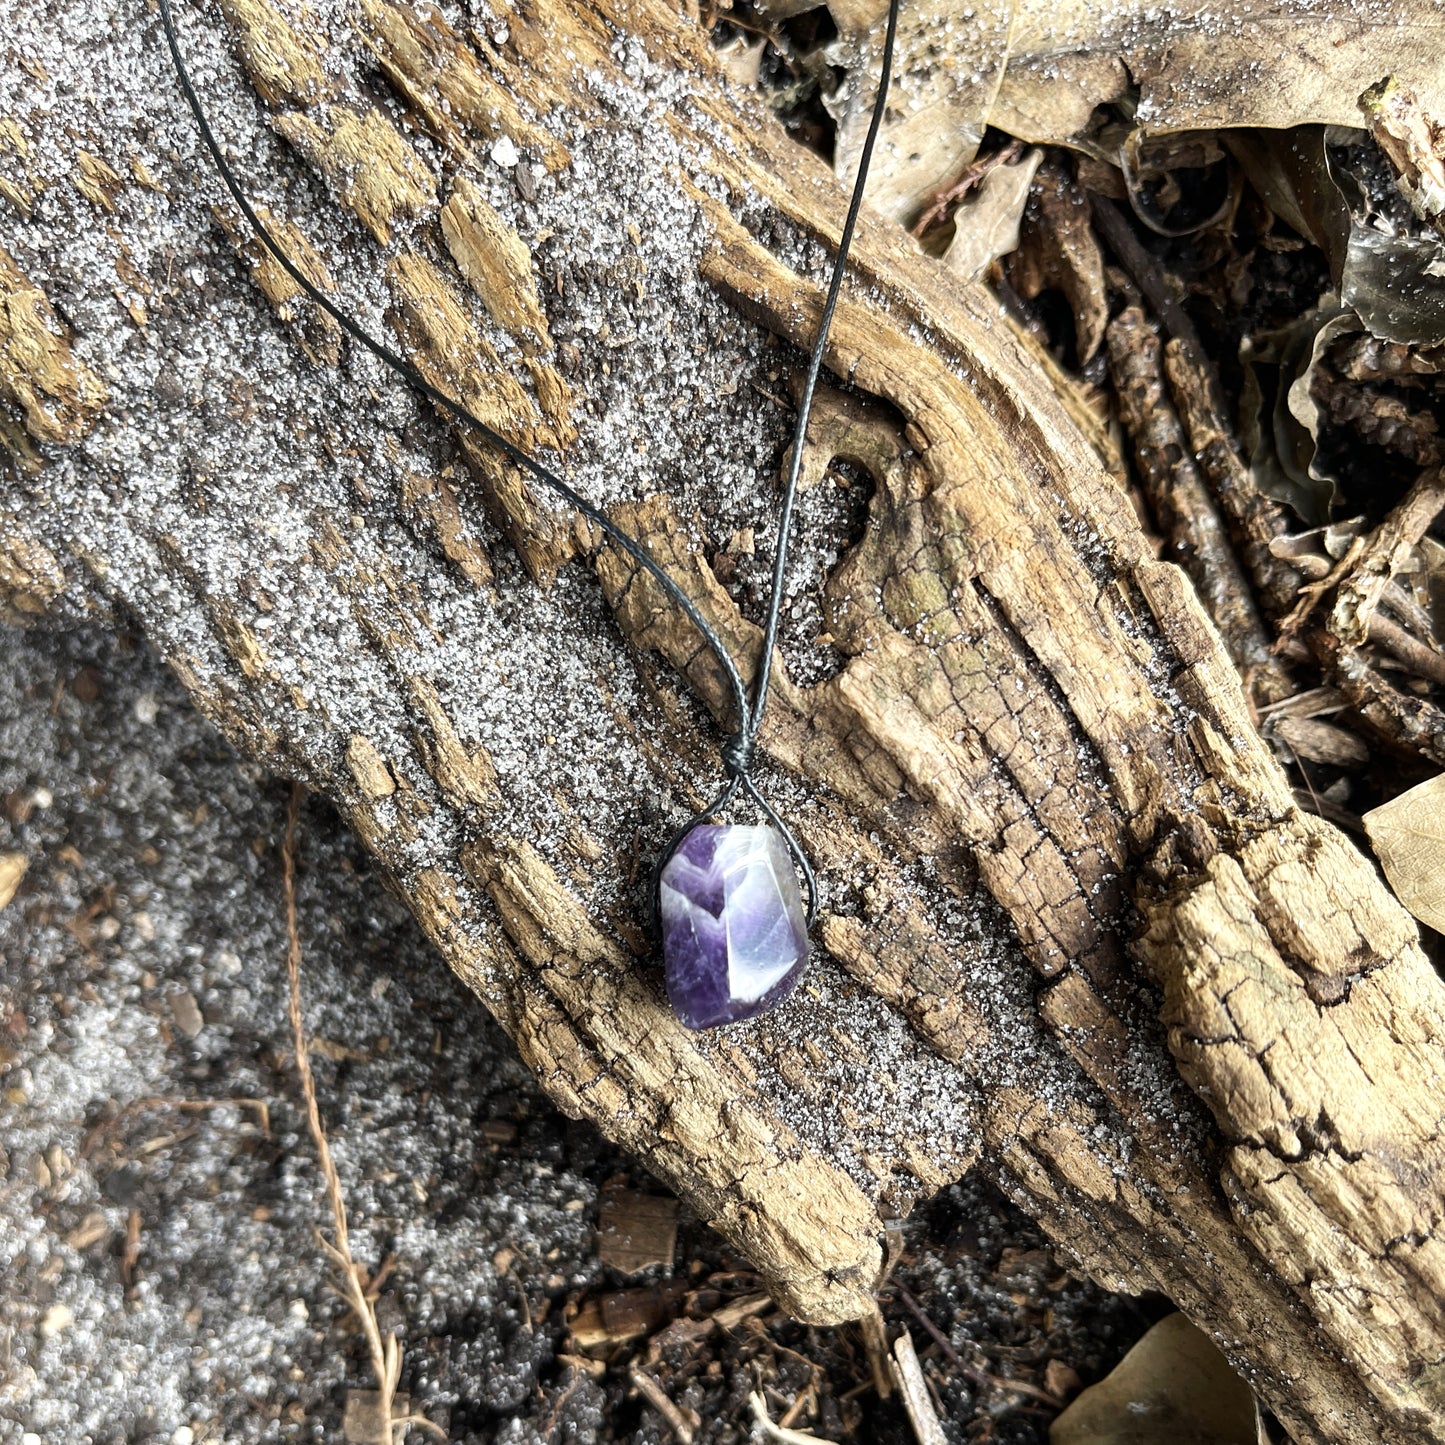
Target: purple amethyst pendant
x=734 y=937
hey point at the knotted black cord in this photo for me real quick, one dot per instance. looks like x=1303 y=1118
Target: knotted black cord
x=738 y=747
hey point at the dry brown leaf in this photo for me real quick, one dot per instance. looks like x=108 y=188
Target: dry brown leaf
x=1408 y=834
x=986 y=225
x=1328 y=323
x=1172 y=1388
x=12 y=870
x=1037 y=69
x=1321 y=742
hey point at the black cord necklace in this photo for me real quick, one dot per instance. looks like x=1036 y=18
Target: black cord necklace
x=734 y=929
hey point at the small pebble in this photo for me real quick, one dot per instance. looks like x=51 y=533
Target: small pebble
x=187 y=1013
x=226 y=963
x=504 y=152
x=86 y=684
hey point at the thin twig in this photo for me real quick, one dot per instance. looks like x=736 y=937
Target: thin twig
x=1422 y=659
x=913 y=1388
x=780 y=1434
x=1254 y=519
x=1411 y=723
x=1022 y=1387
x=161 y=1101
x=975 y=1376
x=969 y=1372
x=1385 y=551
x=660 y=1401
x=385 y=1350
x=1363 y=582
x=1311 y=593
x=936 y=204
x=1183 y=505
x=1145 y=272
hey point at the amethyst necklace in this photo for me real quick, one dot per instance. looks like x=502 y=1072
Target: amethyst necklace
x=733 y=923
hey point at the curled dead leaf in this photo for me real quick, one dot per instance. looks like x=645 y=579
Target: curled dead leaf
x=1338 y=189
x=1321 y=742
x=1408 y=835
x=986 y=224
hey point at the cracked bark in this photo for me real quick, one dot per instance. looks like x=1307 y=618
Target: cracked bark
x=1223 y=1081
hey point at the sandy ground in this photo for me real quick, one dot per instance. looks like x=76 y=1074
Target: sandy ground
x=143 y=959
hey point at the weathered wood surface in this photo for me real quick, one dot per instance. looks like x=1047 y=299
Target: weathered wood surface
x=1074 y=928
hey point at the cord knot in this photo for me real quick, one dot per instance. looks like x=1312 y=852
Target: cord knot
x=737 y=754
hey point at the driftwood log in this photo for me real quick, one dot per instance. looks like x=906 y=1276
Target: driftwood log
x=1075 y=931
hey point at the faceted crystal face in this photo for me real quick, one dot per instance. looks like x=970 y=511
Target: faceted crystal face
x=734 y=937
